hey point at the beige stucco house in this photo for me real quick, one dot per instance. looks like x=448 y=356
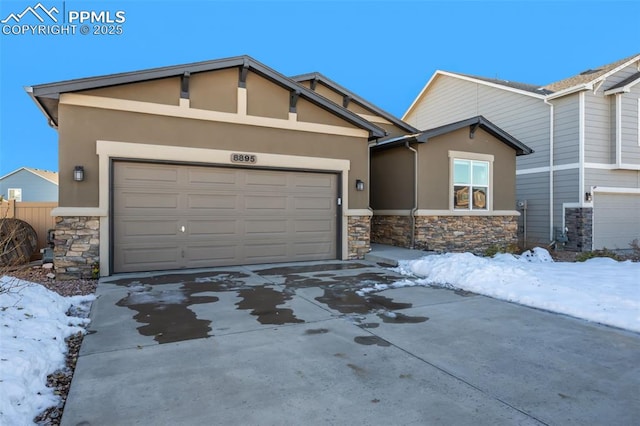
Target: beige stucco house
x=450 y=188
x=223 y=162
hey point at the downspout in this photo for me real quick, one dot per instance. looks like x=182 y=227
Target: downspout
x=415 y=194
x=552 y=236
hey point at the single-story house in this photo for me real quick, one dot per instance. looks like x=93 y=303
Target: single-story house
x=29 y=185
x=450 y=188
x=214 y=163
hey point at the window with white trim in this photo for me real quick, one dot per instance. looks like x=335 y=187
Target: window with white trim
x=470 y=184
x=15 y=194
x=471 y=181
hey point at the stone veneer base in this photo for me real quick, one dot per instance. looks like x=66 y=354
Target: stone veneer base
x=359 y=239
x=77 y=246
x=474 y=234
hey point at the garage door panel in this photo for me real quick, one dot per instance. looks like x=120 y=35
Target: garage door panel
x=133 y=228
x=231 y=217
x=306 y=249
x=313 y=181
x=151 y=258
x=149 y=201
x=314 y=203
x=265 y=227
x=213 y=227
x=263 y=202
x=220 y=178
x=138 y=175
x=262 y=179
x=313 y=225
x=212 y=202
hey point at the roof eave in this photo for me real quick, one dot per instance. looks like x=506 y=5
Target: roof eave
x=570 y=90
x=53 y=90
x=332 y=84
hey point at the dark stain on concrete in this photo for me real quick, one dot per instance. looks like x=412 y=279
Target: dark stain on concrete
x=371 y=340
x=263 y=303
x=223 y=279
x=313 y=331
x=369 y=325
x=167 y=315
x=303 y=269
x=356 y=369
x=465 y=293
x=347 y=301
x=398 y=318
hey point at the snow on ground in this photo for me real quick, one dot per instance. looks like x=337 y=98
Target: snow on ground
x=600 y=290
x=33 y=328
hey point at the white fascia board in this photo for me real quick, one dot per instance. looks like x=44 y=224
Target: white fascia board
x=422 y=92
x=570 y=90
x=623 y=89
x=615 y=190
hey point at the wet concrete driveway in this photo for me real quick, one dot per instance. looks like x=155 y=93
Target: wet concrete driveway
x=295 y=344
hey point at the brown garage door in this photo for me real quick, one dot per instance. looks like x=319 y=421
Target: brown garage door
x=175 y=216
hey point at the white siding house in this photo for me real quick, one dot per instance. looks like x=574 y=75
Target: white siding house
x=583 y=180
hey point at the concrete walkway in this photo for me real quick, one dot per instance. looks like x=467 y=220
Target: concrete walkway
x=295 y=344
x=390 y=255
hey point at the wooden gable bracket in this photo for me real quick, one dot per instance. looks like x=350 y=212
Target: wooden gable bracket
x=244 y=70
x=345 y=101
x=184 y=85
x=472 y=130
x=314 y=83
x=293 y=100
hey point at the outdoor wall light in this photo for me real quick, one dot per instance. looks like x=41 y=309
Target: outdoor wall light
x=588 y=197
x=78 y=173
x=359 y=185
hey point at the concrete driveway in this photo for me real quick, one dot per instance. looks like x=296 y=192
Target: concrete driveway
x=294 y=344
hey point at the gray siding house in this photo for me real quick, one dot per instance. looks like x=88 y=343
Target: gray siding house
x=28 y=185
x=582 y=183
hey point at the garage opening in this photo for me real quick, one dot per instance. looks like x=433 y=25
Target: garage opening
x=170 y=216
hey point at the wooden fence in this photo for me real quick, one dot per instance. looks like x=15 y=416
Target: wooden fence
x=35 y=214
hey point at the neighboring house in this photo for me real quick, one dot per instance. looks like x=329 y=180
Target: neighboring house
x=584 y=177
x=451 y=188
x=28 y=184
x=214 y=163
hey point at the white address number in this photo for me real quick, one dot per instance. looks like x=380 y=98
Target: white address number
x=244 y=158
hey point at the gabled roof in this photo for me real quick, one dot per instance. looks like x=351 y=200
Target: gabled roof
x=520 y=88
x=44 y=174
x=47 y=96
x=625 y=85
x=592 y=76
x=560 y=88
x=318 y=77
x=472 y=123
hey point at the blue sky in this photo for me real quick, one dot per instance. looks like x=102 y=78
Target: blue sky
x=383 y=50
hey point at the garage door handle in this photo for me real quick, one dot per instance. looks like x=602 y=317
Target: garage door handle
x=182 y=228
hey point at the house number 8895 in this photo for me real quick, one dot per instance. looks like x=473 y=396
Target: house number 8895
x=244 y=158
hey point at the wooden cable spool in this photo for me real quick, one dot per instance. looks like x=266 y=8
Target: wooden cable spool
x=18 y=241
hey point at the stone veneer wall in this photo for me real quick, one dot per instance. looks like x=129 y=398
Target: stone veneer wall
x=77 y=246
x=579 y=222
x=391 y=230
x=359 y=229
x=447 y=233
x=474 y=234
